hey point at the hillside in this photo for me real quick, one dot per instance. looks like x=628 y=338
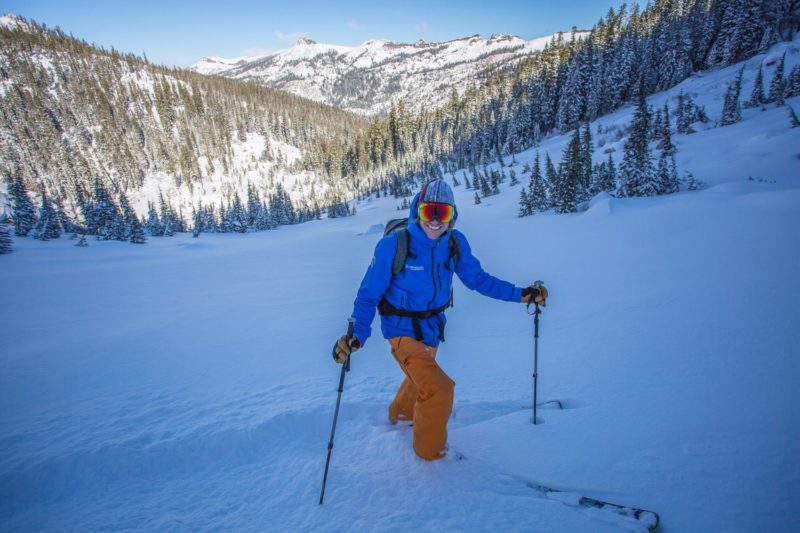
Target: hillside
x=72 y=112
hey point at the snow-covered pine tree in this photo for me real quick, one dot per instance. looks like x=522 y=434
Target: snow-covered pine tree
x=22 y=211
x=47 y=227
x=153 y=225
x=524 y=204
x=658 y=125
x=605 y=178
x=777 y=87
x=253 y=205
x=637 y=176
x=477 y=198
x=537 y=188
x=495 y=181
x=793 y=82
x=486 y=190
x=793 y=117
x=5 y=239
x=587 y=151
x=264 y=220
x=514 y=180
x=570 y=174
x=692 y=184
x=237 y=217
x=731 y=109
x=757 y=96
x=136 y=231
x=682 y=123
x=551 y=177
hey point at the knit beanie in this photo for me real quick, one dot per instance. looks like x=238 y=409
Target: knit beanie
x=437 y=191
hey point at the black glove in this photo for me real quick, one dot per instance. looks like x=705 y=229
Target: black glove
x=534 y=294
x=344 y=347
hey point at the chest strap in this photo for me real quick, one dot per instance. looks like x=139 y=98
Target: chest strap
x=387 y=309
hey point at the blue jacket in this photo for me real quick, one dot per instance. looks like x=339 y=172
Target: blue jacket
x=423 y=285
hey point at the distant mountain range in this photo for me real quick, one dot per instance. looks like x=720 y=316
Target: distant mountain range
x=367 y=78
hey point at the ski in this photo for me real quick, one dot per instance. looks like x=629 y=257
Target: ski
x=643 y=519
x=636 y=519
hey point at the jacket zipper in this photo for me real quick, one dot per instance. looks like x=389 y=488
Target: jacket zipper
x=433 y=276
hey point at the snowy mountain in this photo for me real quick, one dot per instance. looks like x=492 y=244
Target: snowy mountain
x=368 y=78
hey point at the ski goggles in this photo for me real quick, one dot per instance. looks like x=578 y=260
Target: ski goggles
x=429 y=211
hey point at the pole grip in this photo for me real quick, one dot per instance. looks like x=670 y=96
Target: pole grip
x=351 y=324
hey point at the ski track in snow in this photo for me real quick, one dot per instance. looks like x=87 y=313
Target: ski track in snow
x=187 y=384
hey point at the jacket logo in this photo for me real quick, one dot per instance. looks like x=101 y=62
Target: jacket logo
x=415 y=267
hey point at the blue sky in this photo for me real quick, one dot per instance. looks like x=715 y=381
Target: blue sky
x=180 y=32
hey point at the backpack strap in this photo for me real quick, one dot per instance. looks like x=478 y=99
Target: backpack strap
x=454 y=245
x=401 y=251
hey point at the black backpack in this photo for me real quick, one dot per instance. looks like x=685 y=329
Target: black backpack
x=399 y=226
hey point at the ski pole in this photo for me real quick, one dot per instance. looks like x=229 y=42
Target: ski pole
x=536 y=313
x=345 y=368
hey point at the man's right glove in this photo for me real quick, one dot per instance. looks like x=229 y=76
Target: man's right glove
x=534 y=294
x=344 y=347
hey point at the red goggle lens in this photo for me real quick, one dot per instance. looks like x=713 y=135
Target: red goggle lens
x=429 y=211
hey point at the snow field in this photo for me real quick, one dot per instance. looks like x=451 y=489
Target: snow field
x=188 y=385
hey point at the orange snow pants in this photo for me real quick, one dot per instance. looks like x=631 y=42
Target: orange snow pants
x=425 y=396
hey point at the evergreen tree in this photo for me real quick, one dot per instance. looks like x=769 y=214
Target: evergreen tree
x=22 y=211
x=253 y=206
x=524 y=204
x=683 y=119
x=637 y=176
x=47 y=227
x=793 y=83
x=777 y=86
x=486 y=190
x=5 y=239
x=666 y=144
x=570 y=173
x=514 y=180
x=605 y=177
x=793 y=117
x=551 y=175
x=153 y=225
x=587 y=151
x=136 y=231
x=757 y=96
x=477 y=198
x=731 y=110
x=537 y=188
x=692 y=184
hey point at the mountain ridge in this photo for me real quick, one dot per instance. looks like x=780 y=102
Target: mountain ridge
x=368 y=78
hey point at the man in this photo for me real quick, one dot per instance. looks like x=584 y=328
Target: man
x=412 y=304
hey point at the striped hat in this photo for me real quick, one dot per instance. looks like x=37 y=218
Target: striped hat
x=437 y=191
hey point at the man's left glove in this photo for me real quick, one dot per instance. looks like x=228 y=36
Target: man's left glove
x=344 y=347
x=534 y=294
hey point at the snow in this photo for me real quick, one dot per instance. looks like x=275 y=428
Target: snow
x=188 y=384
x=413 y=73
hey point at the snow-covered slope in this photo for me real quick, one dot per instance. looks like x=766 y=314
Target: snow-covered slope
x=188 y=385
x=368 y=77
